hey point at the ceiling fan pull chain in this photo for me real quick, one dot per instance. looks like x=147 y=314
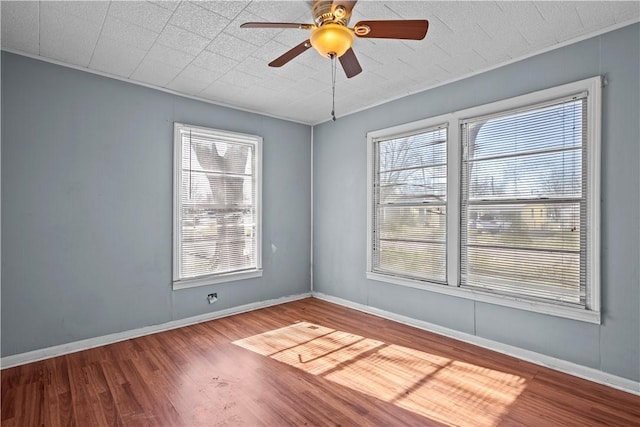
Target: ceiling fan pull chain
x=333 y=87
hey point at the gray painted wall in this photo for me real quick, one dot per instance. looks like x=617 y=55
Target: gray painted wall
x=87 y=206
x=340 y=207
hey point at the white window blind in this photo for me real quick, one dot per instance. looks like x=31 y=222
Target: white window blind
x=410 y=205
x=217 y=213
x=524 y=202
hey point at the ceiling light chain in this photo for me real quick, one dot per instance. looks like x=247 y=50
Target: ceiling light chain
x=333 y=85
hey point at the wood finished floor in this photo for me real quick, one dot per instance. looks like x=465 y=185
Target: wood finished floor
x=307 y=362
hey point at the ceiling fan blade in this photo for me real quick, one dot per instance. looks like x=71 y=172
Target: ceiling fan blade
x=290 y=54
x=350 y=63
x=397 y=29
x=276 y=25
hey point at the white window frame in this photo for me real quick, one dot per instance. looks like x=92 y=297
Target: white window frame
x=454 y=120
x=452 y=227
x=256 y=141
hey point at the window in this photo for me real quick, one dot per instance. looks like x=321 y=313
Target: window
x=410 y=205
x=523 y=202
x=216 y=206
x=516 y=184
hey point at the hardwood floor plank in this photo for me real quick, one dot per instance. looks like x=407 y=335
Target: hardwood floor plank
x=308 y=362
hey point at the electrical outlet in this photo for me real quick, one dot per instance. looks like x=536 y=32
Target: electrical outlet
x=212 y=297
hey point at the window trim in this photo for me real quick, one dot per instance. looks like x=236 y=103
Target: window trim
x=592 y=313
x=177 y=282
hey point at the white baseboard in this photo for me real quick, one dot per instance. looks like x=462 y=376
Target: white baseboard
x=570 y=368
x=59 y=350
x=574 y=369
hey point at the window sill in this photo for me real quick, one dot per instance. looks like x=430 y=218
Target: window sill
x=218 y=278
x=582 y=315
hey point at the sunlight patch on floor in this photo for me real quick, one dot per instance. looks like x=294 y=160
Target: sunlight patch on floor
x=439 y=388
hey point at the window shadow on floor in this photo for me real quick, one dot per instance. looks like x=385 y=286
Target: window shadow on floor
x=451 y=392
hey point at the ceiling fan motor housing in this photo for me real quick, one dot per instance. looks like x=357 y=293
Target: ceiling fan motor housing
x=327 y=11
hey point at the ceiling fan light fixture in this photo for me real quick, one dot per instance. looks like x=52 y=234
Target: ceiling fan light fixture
x=331 y=39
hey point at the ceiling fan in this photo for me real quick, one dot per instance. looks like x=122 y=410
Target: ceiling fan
x=332 y=37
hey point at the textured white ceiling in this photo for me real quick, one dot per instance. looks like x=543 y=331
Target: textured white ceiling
x=198 y=48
